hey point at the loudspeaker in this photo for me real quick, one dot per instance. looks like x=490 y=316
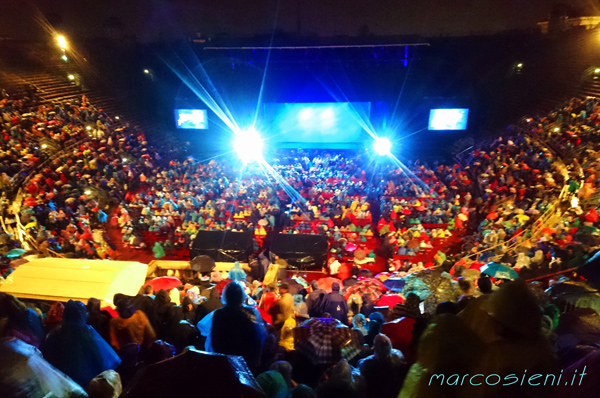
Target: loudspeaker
x=301 y=251
x=223 y=246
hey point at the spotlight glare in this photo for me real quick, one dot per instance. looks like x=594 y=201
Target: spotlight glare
x=64 y=58
x=382 y=146
x=146 y=71
x=71 y=77
x=597 y=70
x=62 y=41
x=248 y=145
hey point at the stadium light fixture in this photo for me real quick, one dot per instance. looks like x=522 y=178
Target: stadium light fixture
x=64 y=58
x=382 y=146
x=146 y=71
x=597 y=70
x=248 y=144
x=71 y=77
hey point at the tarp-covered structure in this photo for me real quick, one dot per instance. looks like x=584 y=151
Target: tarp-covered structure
x=62 y=279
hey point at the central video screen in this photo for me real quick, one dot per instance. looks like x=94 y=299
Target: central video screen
x=315 y=124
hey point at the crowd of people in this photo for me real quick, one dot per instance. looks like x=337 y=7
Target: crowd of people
x=493 y=201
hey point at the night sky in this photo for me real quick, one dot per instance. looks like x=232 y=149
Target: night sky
x=148 y=20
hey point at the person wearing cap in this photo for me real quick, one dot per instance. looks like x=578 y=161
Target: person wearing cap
x=335 y=304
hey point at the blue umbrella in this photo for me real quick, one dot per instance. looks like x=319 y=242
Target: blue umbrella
x=14 y=253
x=394 y=284
x=499 y=271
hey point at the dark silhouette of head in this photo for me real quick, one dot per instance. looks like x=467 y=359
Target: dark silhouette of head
x=233 y=294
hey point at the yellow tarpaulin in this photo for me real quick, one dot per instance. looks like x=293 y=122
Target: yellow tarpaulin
x=59 y=279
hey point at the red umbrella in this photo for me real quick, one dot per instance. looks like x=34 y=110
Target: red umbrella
x=163 y=282
x=325 y=283
x=370 y=286
x=400 y=332
x=390 y=300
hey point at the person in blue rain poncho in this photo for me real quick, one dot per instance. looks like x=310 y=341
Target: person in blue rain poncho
x=234 y=329
x=76 y=348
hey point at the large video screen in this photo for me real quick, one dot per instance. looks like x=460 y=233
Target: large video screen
x=318 y=124
x=448 y=119
x=194 y=119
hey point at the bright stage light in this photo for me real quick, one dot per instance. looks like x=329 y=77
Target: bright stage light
x=62 y=41
x=382 y=146
x=248 y=145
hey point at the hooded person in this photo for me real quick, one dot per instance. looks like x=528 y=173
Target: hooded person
x=302 y=391
x=273 y=384
x=237 y=273
x=98 y=318
x=335 y=304
x=359 y=322
x=76 y=348
x=19 y=321
x=343 y=381
x=409 y=309
x=368 y=306
x=314 y=300
x=234 y=329
x=385 y=370
x=213 y=303
x=164 y=311
x=130 y=326
x=54 y=316
x=376 y=321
